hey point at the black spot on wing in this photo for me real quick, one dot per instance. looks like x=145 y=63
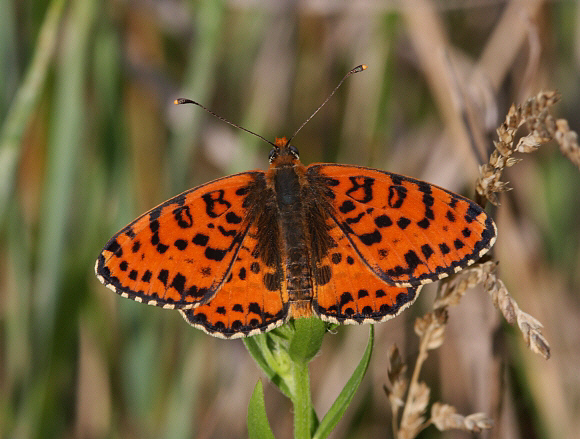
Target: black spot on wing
x=346 y=207
x=403 y=222
x=271 y=281
x=323 y=275
x=370 y=238
x=183 y=217
x=397 y=195
x=362 y=293
x=178 y=283
x=255 y=308
x=227 y=233
x=114 y=248
x=396 y=179
x=200 y=239
x=180 y=244
x=146 y=276
x=232 y=218
x=162 y=248
x=345 y=298
x=362 y=188
x=196 y=292
x=215 y=254
x=424 y=223
x=472 y=213
x=412 y=260
x=243 y=190
x=255 y=267
x=355 y=219
x=427 y=251
x=383 y=221
x=163 y=276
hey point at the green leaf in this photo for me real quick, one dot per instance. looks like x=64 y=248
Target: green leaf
x=253 y=346
x=258 y=425
x=307 y=339
x=345 y=397
x=263 y=348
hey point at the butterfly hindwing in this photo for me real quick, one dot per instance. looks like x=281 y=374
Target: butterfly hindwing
x=252 y=300
x=406 y=231
x=351 y=292
x=178 y=254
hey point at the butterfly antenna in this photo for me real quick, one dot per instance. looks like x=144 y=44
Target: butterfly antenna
x=189 y=101
x=357 y=69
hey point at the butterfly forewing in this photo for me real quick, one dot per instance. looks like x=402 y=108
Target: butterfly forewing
x=179 y=253
x=406 y=231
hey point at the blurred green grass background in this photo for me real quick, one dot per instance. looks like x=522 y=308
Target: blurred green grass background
x=90 y=139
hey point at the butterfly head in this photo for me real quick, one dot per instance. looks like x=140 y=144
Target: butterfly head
x=283 y=153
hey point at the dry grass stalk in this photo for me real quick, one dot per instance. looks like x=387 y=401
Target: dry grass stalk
x=413 y=420
x=431 y=327
x=399 y=384
x=450 y=294
x=431 y=331
x=542 y=128
x=531 y=328
x=452 y=290
x=445 y=417
x=568 y=141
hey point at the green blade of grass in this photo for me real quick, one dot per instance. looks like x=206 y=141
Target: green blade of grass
x=25 y=101
x=64 y=146
x=198 y=84
x=345 y=397
x=258 y=425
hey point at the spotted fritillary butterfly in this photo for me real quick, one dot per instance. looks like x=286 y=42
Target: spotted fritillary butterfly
x=243 y=254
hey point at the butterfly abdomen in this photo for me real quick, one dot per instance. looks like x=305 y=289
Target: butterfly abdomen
x=287 y=182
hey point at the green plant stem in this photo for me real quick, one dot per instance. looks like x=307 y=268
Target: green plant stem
x=301 y=401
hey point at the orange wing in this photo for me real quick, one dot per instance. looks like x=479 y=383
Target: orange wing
x=252 y=300
x=351 y=293
x=406 y=231
x=180 y=253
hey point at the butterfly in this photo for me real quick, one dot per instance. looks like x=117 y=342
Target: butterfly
x=246 y=253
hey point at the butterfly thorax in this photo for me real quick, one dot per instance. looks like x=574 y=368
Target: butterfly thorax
x=287 y=178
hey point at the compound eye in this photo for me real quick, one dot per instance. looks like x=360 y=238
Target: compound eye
x=273 y=155
x=294 y=151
